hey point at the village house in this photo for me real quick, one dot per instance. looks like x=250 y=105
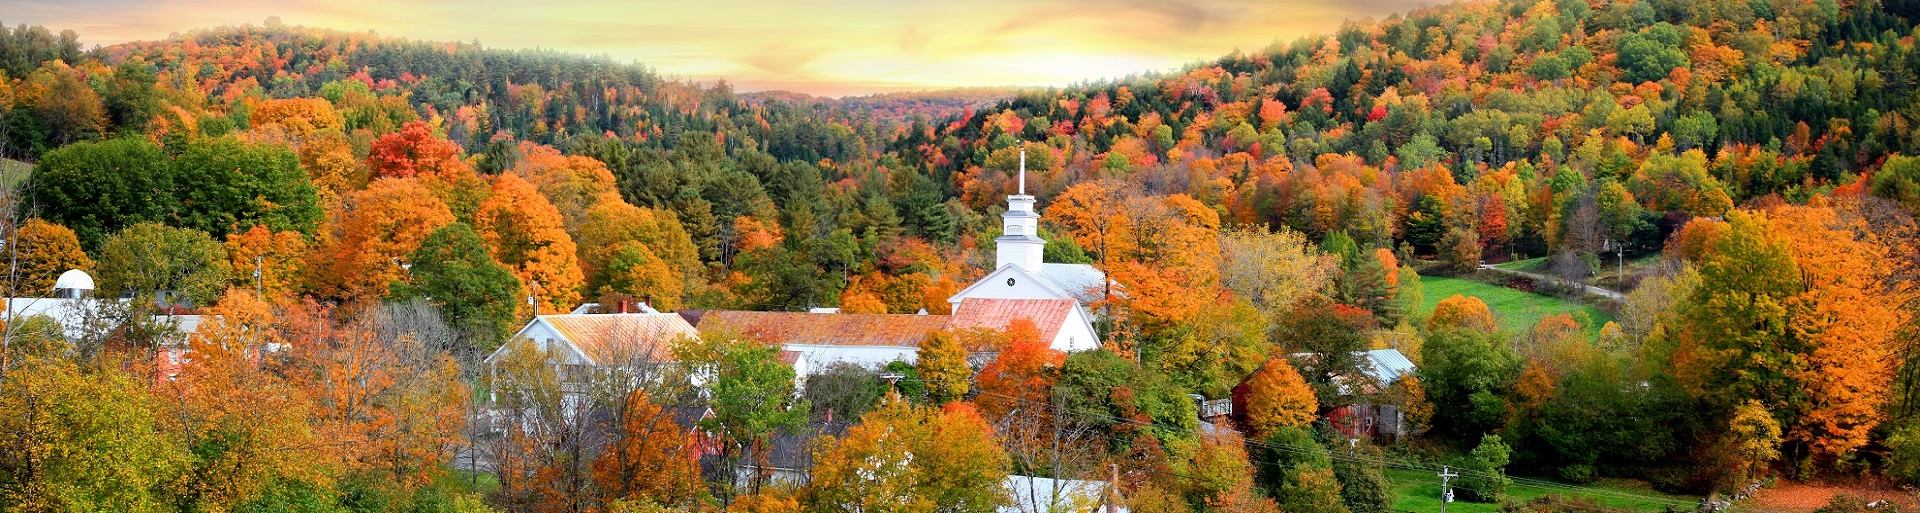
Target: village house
x=1369 y=416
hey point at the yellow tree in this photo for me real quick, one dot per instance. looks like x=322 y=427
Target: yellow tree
x=906 y=458
x=525 y=233
x=300 y=117
x=38 y=254
x=636 y=251
x=1278 y=397
x=329 y=160
x=942 y=363
x=76 y=440
x=377 y=230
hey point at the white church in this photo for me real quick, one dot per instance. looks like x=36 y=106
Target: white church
x=1054 y=297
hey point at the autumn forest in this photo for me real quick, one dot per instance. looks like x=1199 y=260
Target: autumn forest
x=1720 y=197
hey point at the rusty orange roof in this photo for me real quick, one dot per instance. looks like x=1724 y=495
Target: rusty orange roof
x=1048 y=315
x=895 y=330
x=608 y=338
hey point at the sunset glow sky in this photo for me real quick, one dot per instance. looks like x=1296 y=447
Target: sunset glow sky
x=818 y=47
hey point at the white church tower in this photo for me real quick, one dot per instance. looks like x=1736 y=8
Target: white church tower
x=1019 y=243
x=1022 y=284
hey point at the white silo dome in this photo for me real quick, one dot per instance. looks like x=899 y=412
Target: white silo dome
x=73 y=281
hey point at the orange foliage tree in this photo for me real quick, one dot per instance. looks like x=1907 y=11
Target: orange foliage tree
x=572 y=184
x=1462 y=312
x=1792 y=310
x=300 y=117
x=247 y=426
x=39 y=253
x=1022 y=375
x=384 y=387
x=378 y=228
x=1849 y=318
x=1278 y=397
x=414 y=151
x=271 y=262
x=651 y=458
x=329 y=159
x=524 y=231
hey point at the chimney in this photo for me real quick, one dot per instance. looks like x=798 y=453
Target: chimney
x=829 y=414
x=623 y=306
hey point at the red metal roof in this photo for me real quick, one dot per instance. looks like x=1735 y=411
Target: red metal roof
x=608 y=338
x=1048 y=315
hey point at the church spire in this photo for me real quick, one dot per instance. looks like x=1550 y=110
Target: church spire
x=1019 y=242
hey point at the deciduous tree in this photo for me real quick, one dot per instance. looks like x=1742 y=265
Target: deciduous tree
x=473 y=292
x=149 y=257
x=525 y=233
x=942 y=363
x=652 y=459
x=1277 y=397
x=905 y=458
x=273 y=262
x=39 y=252
x=377 y=233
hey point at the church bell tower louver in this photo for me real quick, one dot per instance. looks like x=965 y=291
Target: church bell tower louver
x=1019 y=242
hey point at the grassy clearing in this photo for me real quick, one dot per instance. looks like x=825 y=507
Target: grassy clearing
x=13 y=172
x=1531 y=265
x=1419 y=490
x=1516 y=310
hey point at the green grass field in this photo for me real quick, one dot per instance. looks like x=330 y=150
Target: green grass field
x=1531 y=265
x=13 y=172
x=1419 y=490
x=1516 y=310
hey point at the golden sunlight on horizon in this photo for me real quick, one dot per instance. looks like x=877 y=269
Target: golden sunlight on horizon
x=816 y=47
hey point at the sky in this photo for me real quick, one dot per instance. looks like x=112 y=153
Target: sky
x=827 y=48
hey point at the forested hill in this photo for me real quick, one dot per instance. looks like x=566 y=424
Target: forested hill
x=1509 y=105
x=471 y=92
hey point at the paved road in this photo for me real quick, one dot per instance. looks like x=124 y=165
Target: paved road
x=1615 y=296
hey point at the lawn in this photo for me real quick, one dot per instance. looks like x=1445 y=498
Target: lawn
x=1516 y=310
x=1531 y=265
x=13 y=172
x=1419 y=490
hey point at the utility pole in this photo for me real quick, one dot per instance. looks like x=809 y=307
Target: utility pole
x=259 y=284
x=1446 y=492
x=533 y=294
x=1620 y=276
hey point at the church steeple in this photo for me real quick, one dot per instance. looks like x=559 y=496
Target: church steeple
x=1019 y=242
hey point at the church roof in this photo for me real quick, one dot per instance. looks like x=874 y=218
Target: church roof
x=1083 y=281
x=894 y=330
x=1049 y=315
